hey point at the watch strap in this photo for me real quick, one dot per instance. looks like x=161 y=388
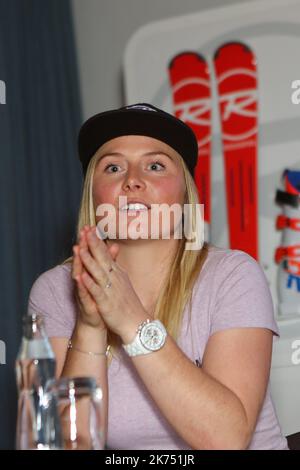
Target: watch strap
x=136 y=348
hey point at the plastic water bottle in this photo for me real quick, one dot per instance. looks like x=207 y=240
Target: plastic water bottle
x=37 y=423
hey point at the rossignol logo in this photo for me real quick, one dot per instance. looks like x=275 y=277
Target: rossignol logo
x=240 y=103
x=195 y=111
x=2 y=353
x=2 y=92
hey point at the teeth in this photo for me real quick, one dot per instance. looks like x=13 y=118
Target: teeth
x=134 y=207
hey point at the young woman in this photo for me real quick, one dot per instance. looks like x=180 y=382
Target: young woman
x=190 y=330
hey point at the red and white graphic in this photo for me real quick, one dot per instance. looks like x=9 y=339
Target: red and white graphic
x=287 y=255
x=190 y=83
x=235 y=66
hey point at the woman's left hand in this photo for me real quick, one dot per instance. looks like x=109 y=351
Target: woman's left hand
x=119 y=304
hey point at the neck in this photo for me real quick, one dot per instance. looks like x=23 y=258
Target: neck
x=147 y=263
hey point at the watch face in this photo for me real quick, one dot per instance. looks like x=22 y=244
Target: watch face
x=152 y=336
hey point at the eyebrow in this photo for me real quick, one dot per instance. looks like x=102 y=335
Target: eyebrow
x=147 y=154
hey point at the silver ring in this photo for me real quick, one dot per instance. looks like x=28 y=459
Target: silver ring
x=108 y=285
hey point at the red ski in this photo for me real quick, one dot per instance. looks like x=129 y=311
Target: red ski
x=235 y=66
x=190 y=83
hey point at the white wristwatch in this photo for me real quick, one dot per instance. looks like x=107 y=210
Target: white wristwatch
x=151 y=336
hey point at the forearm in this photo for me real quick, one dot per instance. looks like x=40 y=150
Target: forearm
x=78 y=364
x=206 y=414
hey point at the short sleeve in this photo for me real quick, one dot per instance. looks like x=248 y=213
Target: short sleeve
x=242 y=295
x=52 y=296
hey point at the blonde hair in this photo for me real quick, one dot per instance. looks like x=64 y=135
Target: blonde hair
x=185 y=267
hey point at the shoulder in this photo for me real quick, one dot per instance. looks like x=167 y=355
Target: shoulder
x=58 y=277
x=234 y=270
x=52 y=295
x=221 y=262
x=217 y=253
x=238 y=290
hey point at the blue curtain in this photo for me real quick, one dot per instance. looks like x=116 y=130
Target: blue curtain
x=40 y=175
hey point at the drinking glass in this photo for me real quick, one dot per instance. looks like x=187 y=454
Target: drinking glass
x=79 y=402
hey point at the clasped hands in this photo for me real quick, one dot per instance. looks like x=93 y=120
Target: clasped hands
x=117 y=308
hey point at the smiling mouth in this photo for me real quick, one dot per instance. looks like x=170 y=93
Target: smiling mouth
x=134 y=211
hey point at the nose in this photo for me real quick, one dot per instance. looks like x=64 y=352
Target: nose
x=133 y=180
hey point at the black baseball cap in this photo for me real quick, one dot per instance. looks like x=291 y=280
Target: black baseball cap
x=137 y=119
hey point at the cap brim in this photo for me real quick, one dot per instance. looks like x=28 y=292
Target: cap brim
x=111 y=124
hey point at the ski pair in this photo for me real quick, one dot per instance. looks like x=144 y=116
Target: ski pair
x=236 y=79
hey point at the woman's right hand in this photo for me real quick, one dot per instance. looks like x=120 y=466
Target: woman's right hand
x=88 y=312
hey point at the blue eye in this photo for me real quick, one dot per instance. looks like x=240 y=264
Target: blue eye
x=158 y=163
x=109 y=165
x=115 y=166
